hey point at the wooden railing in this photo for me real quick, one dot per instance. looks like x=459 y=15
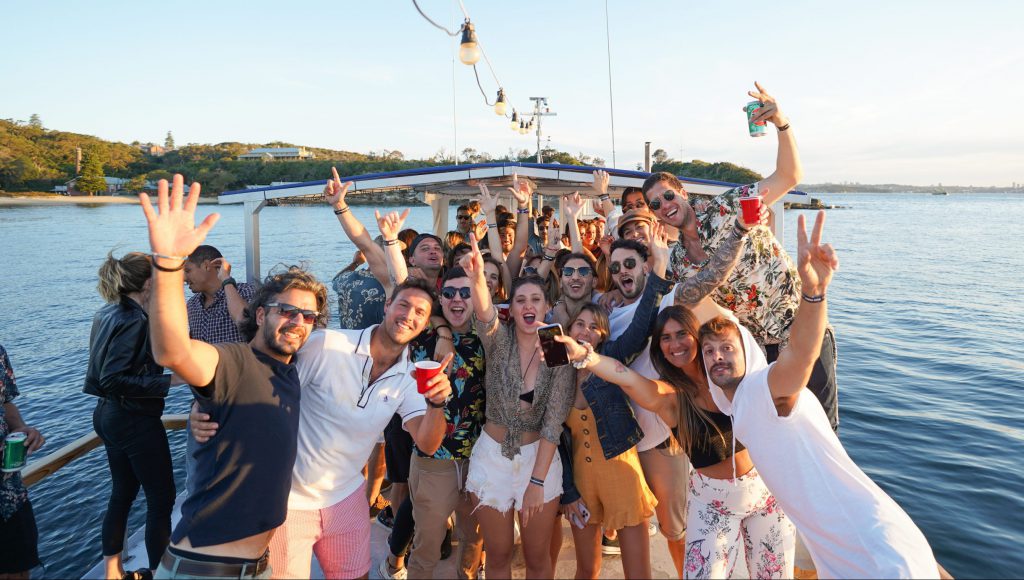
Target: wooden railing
x=40 y=470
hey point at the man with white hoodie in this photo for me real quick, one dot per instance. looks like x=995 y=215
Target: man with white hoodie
x=851 y=528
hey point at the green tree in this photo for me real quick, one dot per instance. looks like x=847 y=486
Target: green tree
x=169 y=141
x=92 y=179
x=35 y=122
x=136 y=184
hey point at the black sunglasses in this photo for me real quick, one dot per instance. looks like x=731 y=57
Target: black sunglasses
x=529 y=270
x=462 y=217
x=667 y=195
x=448 y=292
x=584 y=271
x=288 y=311
x=616 y=267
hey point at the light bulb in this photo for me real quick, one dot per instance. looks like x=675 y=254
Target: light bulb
x=514 y=124
x=469 y=52
x=522 y=128
x=501 y=104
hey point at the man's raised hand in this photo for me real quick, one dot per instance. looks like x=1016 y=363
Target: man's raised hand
x=390 y=223
x=172 y=226
x=488 y=202
x=473 y=261
x=335 y=190
x=573 y=204
x=521 y=189
x=816 y=262
x=770 y=111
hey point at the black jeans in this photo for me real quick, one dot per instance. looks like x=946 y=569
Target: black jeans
x=138 y=454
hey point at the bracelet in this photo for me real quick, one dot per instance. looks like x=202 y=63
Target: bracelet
x=537 y=481
x=604 y=197
x=183 y=259
x=522 y=210
x=489 y=226
x=442 y=325
x=548 y=258
x=784 y=128
x=740 y=229
x=437 y=405
x=393 y=242
x=587 y=358
x=341 y=211
x=227 y=281
x=813 y=299
x=448 y=338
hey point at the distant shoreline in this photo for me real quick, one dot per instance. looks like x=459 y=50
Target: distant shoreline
x=79 y=200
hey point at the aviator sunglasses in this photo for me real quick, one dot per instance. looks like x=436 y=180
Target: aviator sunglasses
x=616 y=267
x=448 y=292
x=667 y=195
x=584 y=271
x=288 y=312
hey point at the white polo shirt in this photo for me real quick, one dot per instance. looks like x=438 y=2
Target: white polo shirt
x=342 y=413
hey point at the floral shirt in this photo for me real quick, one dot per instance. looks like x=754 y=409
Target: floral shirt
x=360 y=299
x=464 y=412
x=12 y=490
x=763 y=290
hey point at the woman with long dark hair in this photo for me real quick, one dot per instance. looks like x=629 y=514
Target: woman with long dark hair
x=730 y=508
x=131 y=388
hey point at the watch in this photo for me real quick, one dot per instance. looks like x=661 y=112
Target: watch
x=229 y=280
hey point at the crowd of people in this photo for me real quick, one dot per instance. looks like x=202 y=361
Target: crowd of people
x=697 y=389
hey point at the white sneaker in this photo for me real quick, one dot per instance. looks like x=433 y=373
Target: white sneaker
x=384 y=570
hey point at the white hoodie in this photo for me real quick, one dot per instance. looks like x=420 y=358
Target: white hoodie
x=852 y=529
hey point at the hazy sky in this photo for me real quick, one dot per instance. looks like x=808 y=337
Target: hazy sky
x=895 y=91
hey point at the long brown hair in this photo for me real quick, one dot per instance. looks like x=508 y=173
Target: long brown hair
x=686 y=389
x=121 y=276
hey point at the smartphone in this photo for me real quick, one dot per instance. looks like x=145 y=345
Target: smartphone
x=580 y=523
x=555 y=353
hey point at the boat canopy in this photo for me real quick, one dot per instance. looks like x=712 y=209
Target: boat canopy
x=437 y=186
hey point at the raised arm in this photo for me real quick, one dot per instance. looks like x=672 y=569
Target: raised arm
x=173 y=235
x=548 y=261
x=694 y=289
x=655 y=396
x=334 y=194
x=816 y=263
x=788 y=170
x=236 y=302
x=390 y=225
x=603 y=205
x=473 y=264
x=489 y=205
x=523 y=193
x=573 y=205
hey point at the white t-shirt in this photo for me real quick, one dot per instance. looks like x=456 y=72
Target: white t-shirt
x=852 y=529
x=342 y=415
x=655 y=430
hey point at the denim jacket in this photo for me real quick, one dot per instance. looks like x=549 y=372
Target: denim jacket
x=617 y=427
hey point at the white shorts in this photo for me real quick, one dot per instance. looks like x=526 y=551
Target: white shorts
x=500 y=483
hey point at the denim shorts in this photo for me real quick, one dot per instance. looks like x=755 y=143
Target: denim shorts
x=500 y=483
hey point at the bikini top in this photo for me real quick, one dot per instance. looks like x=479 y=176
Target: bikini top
x=708 y=447
x=527 y=396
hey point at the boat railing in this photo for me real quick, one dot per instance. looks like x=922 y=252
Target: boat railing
x=53 y=462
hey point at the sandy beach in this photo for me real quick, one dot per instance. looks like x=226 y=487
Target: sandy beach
x=78 y=200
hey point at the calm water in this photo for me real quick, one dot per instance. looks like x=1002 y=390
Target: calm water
x=927 y=308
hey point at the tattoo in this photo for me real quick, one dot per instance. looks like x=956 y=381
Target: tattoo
x=620 y=368
x=725 y=258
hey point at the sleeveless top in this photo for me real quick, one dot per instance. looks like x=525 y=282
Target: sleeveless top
x=708 y=447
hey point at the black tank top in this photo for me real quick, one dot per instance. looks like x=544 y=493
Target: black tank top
x=708 y=447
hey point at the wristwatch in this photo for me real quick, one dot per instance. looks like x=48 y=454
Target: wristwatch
x=228 y=280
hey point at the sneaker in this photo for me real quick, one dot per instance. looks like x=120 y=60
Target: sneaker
x=446 y=545
x=610 y=547
x=384 y=570
x=386 y=518
x=652 y=528
x=377 y=505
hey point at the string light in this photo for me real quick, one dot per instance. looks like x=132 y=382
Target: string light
x=469 y=49
x=514 y=124
x=500 y=105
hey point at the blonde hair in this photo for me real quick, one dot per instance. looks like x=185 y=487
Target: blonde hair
x=121 y=276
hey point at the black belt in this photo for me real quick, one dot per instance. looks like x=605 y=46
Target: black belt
x=190 y=567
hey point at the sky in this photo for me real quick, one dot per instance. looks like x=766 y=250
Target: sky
x=908 y=92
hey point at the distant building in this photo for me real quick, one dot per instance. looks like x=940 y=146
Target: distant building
x=152 y=149
x=114 y=186
x=279 y=154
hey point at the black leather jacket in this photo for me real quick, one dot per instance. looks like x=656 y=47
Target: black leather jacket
x=121 y=366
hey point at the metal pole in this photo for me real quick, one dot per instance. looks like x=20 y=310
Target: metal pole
x=647 y=156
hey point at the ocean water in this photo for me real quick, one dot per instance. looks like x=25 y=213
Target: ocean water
x=927 y=307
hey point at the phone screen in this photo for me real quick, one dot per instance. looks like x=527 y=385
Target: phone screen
x=555 y=354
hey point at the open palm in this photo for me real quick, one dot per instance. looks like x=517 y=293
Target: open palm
x=172 y=226
x=816 y=262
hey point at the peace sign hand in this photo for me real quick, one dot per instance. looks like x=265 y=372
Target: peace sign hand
x=816 y=262
x=335 y=190
x=172 y=227
x=770 y=111
x=390 y=224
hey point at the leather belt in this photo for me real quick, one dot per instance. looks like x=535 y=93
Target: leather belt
x=188 y=567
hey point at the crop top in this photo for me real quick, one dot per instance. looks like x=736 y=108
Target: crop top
x=707 y=446
x=553 y=393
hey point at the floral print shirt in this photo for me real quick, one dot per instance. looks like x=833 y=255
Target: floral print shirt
x=763 y=290
x=360 y=299
x=12 y=490
x=464 y=412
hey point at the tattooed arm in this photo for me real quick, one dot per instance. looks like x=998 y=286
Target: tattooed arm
x=725 y=258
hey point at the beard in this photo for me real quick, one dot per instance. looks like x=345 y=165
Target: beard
x=276 y=343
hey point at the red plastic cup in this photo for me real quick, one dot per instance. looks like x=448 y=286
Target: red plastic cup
x=503 y=312
x=426 y=370
x=751 y=210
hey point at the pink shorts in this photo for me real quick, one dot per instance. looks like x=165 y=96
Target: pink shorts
x=339 y=535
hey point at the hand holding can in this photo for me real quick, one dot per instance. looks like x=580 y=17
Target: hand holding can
x=757 y=129
x=14 y=452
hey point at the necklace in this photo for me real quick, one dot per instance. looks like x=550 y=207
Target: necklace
x=529 y=364
x=688 y=262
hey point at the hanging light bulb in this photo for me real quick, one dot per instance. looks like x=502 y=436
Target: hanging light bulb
x=514 y=124
x=522 y=127
x=501 y=104
x=469 y=51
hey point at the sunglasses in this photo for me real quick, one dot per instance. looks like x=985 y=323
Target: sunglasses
x=462 y=217
x=448 y=292
x=583 y=270
x=288 y=312
x=616 y=267
x=667 y=195
x=529 y=270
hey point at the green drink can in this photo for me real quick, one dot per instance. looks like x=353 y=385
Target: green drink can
x=14 y=452
x=756 y=129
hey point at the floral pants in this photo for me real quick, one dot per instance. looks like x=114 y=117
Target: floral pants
x=724 y=514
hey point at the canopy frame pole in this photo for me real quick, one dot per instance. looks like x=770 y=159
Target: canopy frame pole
x=252 y=239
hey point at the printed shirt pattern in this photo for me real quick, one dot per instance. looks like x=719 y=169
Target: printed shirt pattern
x=12 y=491
x=360 y=299
x=214 y=324
x=763 y=290
x=464 y=413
